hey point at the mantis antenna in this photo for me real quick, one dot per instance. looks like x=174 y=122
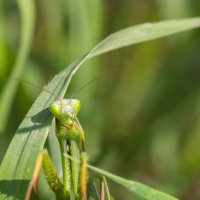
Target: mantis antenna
x=85 y=85
x=51 y=93
x=90 y=82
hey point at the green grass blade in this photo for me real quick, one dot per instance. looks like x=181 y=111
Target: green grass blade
x=17 y=165
x=141 y=190
x=144 y=32
x=27 y=16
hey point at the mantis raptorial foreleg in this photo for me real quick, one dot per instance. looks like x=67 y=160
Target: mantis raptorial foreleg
x=52 y=177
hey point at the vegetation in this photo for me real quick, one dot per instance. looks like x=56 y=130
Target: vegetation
x=140 y=120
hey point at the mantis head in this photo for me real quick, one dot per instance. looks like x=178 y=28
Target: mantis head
x=65 y=110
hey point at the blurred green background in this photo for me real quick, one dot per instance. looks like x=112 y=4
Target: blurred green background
x=142 y=119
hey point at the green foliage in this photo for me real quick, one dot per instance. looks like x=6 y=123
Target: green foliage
x=27 y=15
x=17 y=165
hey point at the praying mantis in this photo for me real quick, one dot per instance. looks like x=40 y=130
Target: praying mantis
x=71 y=139
x=70 y=136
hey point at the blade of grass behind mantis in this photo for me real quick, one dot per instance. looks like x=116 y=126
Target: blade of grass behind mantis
x=134 y=187
x=27 y=16
x=17 y=166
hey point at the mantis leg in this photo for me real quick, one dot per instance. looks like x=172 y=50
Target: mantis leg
x=51 y=175
x=83 y=176
x=79 y=171
x=33 y=183
x=61 y=131
x=104 y=190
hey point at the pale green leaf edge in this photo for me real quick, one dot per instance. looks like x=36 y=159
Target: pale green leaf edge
x=17 y=166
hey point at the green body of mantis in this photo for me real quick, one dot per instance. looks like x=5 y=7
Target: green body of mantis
x=71 y=140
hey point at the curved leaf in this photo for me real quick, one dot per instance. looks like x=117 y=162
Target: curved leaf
x=17 y=166
x=144 y=32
